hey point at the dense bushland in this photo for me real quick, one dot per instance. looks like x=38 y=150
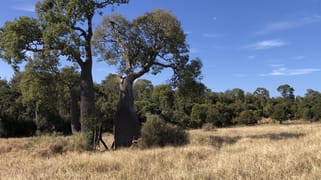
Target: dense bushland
x=37 y=110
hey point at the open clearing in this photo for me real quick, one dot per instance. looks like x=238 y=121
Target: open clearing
x=256 y=152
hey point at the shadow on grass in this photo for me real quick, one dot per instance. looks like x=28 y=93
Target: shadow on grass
x=277 y=136
x=218 y=141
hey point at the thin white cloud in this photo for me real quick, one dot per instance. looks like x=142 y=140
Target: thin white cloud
x=212 y=35
x=276 y=65
x=251 y=56
x=299 y=57
x=267 y=44
x=280 y=70
x=285 y=25
x=26 y=7
x=193 y=50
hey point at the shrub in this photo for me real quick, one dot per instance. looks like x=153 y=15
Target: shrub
x=156 y=132
x=79 y=143
x=281 y=112
x=180 y=118
x=198 y=115
x=246 y=117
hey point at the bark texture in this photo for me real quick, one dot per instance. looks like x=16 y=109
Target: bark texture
x=89 y=126
x=126 y=122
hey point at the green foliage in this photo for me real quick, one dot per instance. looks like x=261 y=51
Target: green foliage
x=144 y=107
x=221 y=109
x=61 y=21
x=281 y=112
x=163 y=97
x=236 y=95
x=107 y=96
x=309 y=106
x=190 y=89
x=156 y=132
x=35 y=86
x=268 y=109
x=80 y=143
x=307 y=113
x=14 y=120
x=35 y=97
x=181 y=119
x=262 y=92
x=150 y=42
x=286 y=91
x=68 y=95
x=143 y=89
x=18 y=37
x=247 y=117
x=198 y=115
x=219 y=115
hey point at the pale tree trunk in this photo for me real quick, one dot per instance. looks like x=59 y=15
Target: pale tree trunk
x=126 y=122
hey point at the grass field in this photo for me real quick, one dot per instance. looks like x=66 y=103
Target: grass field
x=256 y=152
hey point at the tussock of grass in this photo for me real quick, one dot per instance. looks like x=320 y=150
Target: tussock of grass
x=259 y=152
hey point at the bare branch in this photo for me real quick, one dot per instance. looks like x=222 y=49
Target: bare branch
x=83 y=32
x=144 y=70
x=147 y=67
x=165 y=65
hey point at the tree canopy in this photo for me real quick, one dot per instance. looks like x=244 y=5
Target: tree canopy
x=152 y=41
x=286 y=91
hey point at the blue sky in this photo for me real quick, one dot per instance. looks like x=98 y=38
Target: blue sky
x=243 y=44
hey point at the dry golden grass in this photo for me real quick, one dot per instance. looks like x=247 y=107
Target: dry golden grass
x=258 y=152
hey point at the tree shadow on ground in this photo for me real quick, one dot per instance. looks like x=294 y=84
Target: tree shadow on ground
x=218 y=141
x=277 y=136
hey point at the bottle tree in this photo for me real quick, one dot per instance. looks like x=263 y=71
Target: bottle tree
x=150 y=42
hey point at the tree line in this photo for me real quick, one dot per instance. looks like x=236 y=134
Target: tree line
x=46 y=101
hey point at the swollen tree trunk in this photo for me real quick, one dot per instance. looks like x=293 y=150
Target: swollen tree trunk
x=87 y=106
x=126 y=123
x=74 y=111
